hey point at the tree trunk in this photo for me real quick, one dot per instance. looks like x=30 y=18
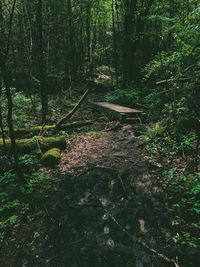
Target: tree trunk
x=4 y=50
x=71 y=43
x=115 y=59
x=43 y=91
x=88 y=31
x=130 y=71
x=1 y=118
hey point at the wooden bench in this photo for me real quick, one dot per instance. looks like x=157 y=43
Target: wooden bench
x=124 y=113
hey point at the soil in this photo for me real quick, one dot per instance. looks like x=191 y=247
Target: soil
x=107 y=208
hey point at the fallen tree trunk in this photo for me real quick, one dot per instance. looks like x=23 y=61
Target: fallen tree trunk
x=41 y=130
x=38 y=142
x=71 y=113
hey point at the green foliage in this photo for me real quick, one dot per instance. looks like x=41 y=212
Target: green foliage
x=157 y=130
x=29 y=162
x=178 y=68
x=58 y=106
x=36 y=189
x=195 y=189
x=128 y=97
x=16 y=198
x=106 y=70
x=22 y=109
x=161 y=143
x=167 y=154
x=187 y=239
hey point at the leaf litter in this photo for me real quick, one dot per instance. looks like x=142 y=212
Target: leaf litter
x=107 y=209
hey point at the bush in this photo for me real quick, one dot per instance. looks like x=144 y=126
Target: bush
x=22 y=111
x=16 y=198
x=127 y=97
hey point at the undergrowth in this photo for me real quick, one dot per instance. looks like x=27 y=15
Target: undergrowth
x=128 y=97
x=27 y=109
x=173 y=158
x=17 y=198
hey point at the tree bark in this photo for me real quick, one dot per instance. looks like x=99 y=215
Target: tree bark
x=4 y=50
x=43 y=91
x=130 y=71
x=115 y=60
x=88 y=31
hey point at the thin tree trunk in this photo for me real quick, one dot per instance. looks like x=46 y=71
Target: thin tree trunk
x=130 y=71
x=3 y=66
x=115 y=60
x=43 y=92
x=71 y=43
x=88 y=31
x=197 y=153
x=10 y=110
x=1 y=117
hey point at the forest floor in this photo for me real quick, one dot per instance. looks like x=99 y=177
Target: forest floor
x=106 y=208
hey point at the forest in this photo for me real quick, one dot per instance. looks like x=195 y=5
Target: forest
x=99 y=133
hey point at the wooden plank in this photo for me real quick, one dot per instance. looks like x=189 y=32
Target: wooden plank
x=117 y=108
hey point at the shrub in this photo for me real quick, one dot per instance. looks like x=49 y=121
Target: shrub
x=124 y=97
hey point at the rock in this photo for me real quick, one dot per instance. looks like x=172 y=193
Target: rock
x=51 y=158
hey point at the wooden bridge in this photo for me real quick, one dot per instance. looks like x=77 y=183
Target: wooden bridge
x=125 y=114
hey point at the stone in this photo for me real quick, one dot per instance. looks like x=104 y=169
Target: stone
x=51 y=158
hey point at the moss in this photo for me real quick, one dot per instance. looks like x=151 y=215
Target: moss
x=51 y=142
x=28 y=132
x=29 y=144
x=51 y=158
x=19 y=132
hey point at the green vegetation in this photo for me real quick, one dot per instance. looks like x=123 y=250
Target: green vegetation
x=140 y=54
x=173 y=157
x=128 y=97
x=18 y=199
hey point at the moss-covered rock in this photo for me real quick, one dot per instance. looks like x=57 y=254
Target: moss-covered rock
x=51 y=158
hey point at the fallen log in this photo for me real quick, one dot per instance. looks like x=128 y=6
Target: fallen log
x=41 y=130
x=31 y=144
x=71 y=113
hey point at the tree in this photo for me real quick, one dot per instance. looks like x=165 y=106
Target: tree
x=41 y=64
x=4 y=50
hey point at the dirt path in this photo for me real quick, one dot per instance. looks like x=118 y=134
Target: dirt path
x=106 y=209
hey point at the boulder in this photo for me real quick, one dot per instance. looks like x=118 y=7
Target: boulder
x=51 y=158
